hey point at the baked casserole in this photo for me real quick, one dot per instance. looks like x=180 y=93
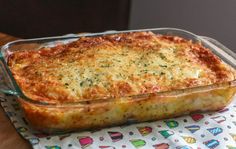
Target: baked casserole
x=118 y=77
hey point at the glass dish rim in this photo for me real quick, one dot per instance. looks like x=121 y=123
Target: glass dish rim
x=178 y=92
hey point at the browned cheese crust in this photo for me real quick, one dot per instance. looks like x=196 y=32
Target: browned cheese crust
x=114 y=66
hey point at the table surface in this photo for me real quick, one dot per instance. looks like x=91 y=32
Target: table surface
x=9 y=137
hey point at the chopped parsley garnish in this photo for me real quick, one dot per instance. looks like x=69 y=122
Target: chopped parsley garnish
x=144 y=71
x=163 y=66
x=105 y=65
x=81 y=83
x=162 y=56
x=90 y=82
x=162 y=73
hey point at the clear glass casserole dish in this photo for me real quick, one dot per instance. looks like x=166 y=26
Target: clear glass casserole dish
x=49 y=117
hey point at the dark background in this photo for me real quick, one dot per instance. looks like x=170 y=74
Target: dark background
x=39 y=18
x=213 y=18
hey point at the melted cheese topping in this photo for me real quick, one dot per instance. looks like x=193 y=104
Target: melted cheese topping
x=114 y=66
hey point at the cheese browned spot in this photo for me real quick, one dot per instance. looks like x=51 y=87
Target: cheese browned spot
x=114 y=66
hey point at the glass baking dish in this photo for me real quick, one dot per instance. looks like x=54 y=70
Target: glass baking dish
x=51 y=118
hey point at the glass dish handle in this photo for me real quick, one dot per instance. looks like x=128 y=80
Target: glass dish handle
x=229 y=55
x=5 y=83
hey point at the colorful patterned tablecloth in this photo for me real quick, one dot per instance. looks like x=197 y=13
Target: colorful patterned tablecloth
x=215 y=130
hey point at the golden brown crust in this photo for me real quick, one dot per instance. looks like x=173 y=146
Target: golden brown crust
x=115 y=66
